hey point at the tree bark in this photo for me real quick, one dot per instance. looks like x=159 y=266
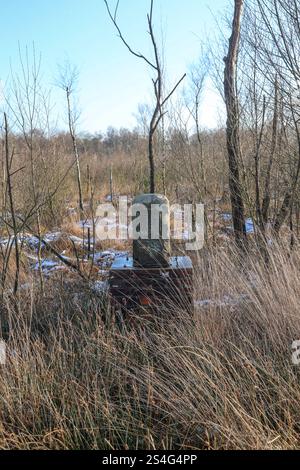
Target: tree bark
x=267 y=190
x=12 y=207
x=75 y=149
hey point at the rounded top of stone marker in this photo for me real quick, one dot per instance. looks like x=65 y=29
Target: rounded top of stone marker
x=150 y=199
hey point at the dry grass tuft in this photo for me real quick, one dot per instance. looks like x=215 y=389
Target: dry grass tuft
x=218 y=380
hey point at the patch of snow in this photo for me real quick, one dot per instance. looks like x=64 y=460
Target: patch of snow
x=31 y=257
x=46 y=264
x=75 y=239
x=109 y=255
x=106 y=258
x=67 y=258
x=31 y=241
x=227 y=217
x=88 y=223
x=249 y=226
x=81 y=241
x=52 y=237
x=112 y=224
x=109 y=224
x=49 y=266
x=187 y=235
x=28 y=240
x=99 y=287
x=226 y=301
x=5 y=241
x=103 y=272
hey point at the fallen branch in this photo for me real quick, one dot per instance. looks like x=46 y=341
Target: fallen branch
x=54 y=251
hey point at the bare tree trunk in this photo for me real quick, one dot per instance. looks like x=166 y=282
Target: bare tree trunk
x=88 y=182
x=3 y=181
x=233 y=139
x=267 y=195
x=11 y=203
x=289 y=197
x=160 y=99
x=257 y=157
x=292 y=239
x=75 y=148
x=111 y=185
x=163 y=145
x=151 y=161
x=202 y=169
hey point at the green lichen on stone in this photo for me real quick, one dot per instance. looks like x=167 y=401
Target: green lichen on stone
x=152 y=249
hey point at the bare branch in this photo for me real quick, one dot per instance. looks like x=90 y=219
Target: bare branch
x=173 y=90
x=114 y=20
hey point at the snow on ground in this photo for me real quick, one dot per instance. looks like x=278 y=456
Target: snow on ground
x=249 y=226
x=110 y=224
x=49 y=266
x=84 y=242
x=87 y=223
x=227 y=217
x=4 y=241
x=226 y=301
x=109 y=254
x=103 y=259
x=99 y=287
x=52 y=236
x=31 y=241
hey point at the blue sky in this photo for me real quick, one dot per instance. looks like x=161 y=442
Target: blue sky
x=112 y=83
